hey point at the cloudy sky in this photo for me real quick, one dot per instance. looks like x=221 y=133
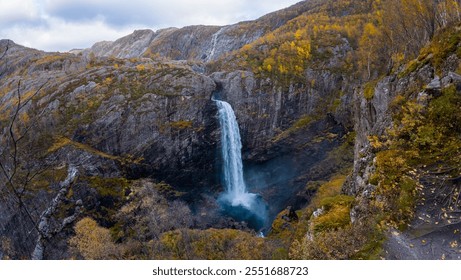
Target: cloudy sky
x=61 y=25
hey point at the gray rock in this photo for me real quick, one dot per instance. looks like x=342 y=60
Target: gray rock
x=451 y=78
x=133 y=45
x=317 y=213
x=435 y=84
x=455 y=78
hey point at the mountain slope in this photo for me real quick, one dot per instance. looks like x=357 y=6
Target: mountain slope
x=198 y=43
x=346 y=132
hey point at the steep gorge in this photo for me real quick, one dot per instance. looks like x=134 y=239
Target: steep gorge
x=136 y=118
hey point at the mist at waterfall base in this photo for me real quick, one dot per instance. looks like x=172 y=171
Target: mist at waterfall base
x=236 y=201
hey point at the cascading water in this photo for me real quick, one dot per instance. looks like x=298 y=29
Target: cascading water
x=236 y=200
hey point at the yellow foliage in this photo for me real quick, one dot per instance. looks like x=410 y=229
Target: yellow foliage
x=92 y=241
x=369 y=89
x=336 y=217
x=48 y=59
x=329 y=189
x=370 y=30
x=181 y=124
x=140 y=67
x=107 y=81
x=299 y=34
x=212 y=244
x=24 y=118
x=59 y=143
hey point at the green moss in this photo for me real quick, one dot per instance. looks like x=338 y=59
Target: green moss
x=109 y=187
x=373 y=248
x=167 y=191
x=411 y=67
x=335 y=105
x=180 y=125
x=298 y=125
x=117 y=232
x=340 y=200
x=445 y=44
x=302 y=122
x=327 y=190
x=337 y=213
x=397 y=190
x=369 y=89
x=445 y=111
x=337 y=217
x=280 y=254
x=283 y=229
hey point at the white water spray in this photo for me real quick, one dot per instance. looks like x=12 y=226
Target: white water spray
x=236 y=193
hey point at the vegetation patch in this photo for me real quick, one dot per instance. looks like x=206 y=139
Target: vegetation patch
x=298 y=125
x=369 y=89
x=331 y=235
x=212 y=244
x=337 y=213
x=181 y=125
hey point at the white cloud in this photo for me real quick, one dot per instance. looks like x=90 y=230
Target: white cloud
x=65 y=24
x=18 y=11
x=59 y=35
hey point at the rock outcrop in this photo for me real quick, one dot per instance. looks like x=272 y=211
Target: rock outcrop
x=133 y=45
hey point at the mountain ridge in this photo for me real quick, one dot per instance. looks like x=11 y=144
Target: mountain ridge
x=164 y=42
x=345 y=132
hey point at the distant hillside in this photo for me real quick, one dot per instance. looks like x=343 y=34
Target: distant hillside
x=349 y=118
x=198 y=43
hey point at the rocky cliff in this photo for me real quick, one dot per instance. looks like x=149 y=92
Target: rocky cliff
x=430 y=229
x=123 y=139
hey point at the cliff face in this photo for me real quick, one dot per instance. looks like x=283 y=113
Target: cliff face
x=161 y=113
x=127 y=133
x=431 y=223
x=133 y=45
x=111 y=119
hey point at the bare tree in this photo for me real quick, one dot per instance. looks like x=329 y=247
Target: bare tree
x=18 y=170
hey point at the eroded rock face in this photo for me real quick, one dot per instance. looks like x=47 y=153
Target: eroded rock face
x=430 y=234
x=133 y=45
x=373 y=117
x=265 y=109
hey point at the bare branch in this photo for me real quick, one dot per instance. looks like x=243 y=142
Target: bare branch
x=35 y=94
x=18 y=188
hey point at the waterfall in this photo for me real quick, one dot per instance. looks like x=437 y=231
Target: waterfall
x=235 y=188
x=214 y=41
